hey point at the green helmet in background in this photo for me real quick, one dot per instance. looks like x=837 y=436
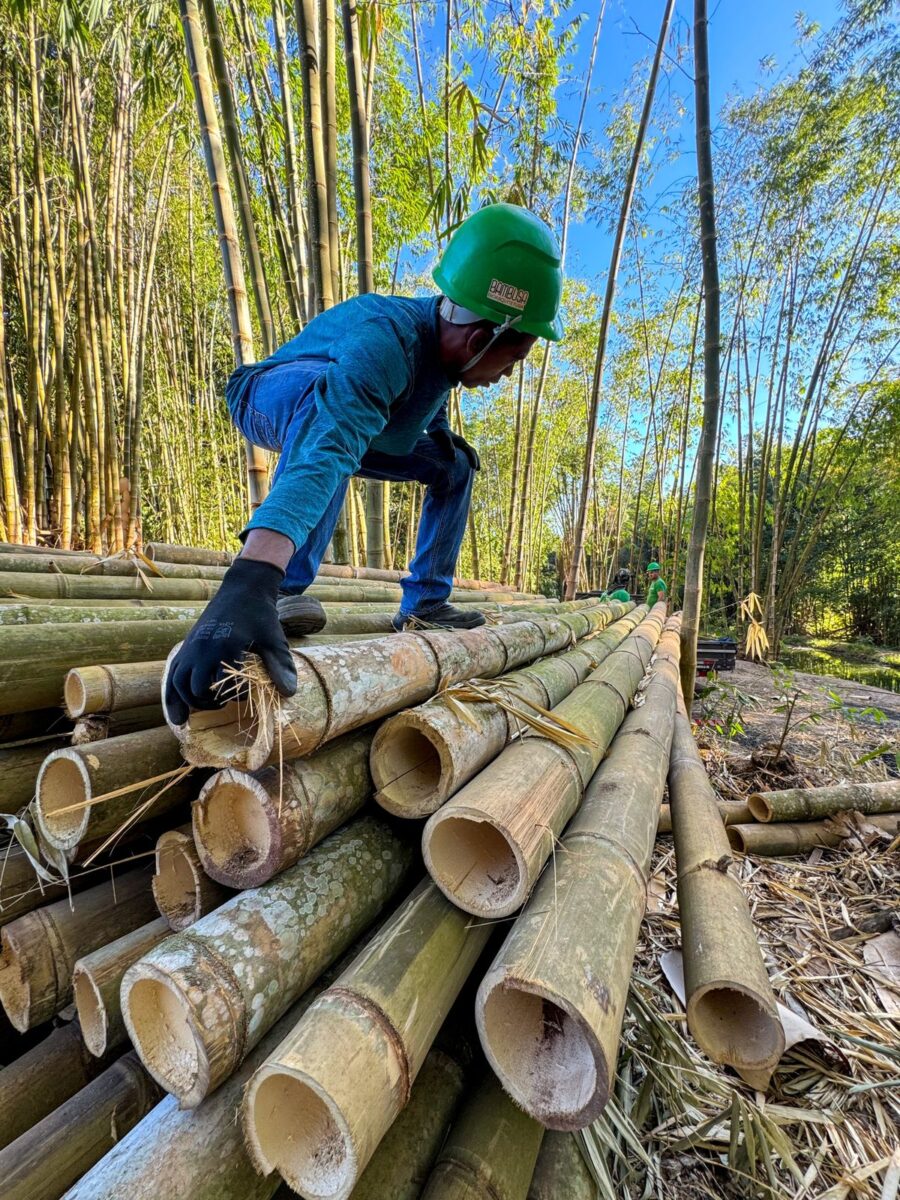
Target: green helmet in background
x=654 y=566
x=503 y=263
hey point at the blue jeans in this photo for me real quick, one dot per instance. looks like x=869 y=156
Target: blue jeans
x=278 y=402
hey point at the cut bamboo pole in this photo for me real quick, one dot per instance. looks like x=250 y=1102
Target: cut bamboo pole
x=42 y=1079
x=44 y=1162
x=778 y=838
x=490 y=1153
x=319 y=1106
x=549 y=1011
x=15 y=548
x=731 y=1008
x=199 y=1001
x=100 y=726
x=19 y=766
x=104 y=567
x=20 y=890
x=51 y=611
x=731 y=812
x=86 y=792
x=97 y=978
x=401 y=1164
x=343 y=687
x=102 y=689
x=22 y=584
x=34 y=659
x=247 y=827
x=813 y=804
x=183 y=891
x=422 y=756
x=40 y=949
x=561 y=1172
x=167 y=552
x=487 y=846
x=192 y=1153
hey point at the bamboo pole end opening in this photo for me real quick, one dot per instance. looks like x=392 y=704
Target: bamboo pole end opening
x=63 y=781
x=543 y=1053
x=760 y=808
x=736 y=838
x=91 y=1012
x=717 y=1011
x=15 y=989
x=232 y=830
x=156 y=1017
x=176 y=887
x=475 y=865
x=408 y=767
x=293 y=1126
x=74 y=695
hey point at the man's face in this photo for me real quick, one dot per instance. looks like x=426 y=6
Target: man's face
x=501 y=360
x=654 y=575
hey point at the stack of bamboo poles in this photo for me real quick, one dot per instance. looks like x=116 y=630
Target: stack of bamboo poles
x=256 y=976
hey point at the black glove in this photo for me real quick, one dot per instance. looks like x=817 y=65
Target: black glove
x=448 y=443
x=240 y=617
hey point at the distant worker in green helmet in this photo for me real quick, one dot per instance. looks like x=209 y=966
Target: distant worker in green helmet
x=657 y=589
x=363 y=390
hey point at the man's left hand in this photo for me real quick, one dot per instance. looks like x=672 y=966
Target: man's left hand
x=448 y=443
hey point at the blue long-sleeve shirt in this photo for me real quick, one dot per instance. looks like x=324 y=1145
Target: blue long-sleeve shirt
x=383 y=388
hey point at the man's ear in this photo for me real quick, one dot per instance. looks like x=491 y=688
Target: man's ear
x=477 y=339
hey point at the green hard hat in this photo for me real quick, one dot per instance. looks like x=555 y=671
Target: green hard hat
x=504 y=262
x=654 y=566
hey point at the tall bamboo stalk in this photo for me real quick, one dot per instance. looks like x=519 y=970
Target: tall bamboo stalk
x=317 y=1109
x=316 y=172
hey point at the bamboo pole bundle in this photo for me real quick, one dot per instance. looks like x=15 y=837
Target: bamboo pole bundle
x=247 y=827
x=490 y=1153
x=22 y=584
x=423 y=755
x=166 y=552
x=104 y=567
x=42 y=1079
x=731 y=1008
x=53 y=612
x=34 y=659
x=183 y=891
x=110 y=686
x=193 y=1153
x=44 y=1162
x=731 y=812
x=488 y=844
x=86 y=792
x=318 y=1107
x=199 y=1001
x=813 y=804
x=96 y=979
x=40 y=949
x=561 y=1172
x=19 y=766
x=549 y=1011
x=342 y=687
x=400 y=1166
x=778 y=838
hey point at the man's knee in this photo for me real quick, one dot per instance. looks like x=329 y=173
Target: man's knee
x=459 y=472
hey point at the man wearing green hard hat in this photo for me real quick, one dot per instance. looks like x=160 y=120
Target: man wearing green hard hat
x=363 y=390
x=657 y=589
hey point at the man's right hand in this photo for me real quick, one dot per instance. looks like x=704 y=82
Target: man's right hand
x=241 y=618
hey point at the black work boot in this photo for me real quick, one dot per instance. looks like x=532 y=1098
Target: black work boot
x=442 y=616
x=300 y=615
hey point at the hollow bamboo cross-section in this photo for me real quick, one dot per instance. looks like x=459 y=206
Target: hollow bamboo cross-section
x=731 y=812
x=346 y=686
x=247 y=827
x=40 y=949
x=779 y=838
x=731 y=1008
x=422 y=756
x=320 y=1105
x=34 y=659
x=490 y=1153
x=487 y=846
x=44 y=1162
x=814 y=804
x=549 y=1011
x=199 y=1001
x=181 y=888
x=97 y=979
x=43 y=1078
x=86 y=792
x=101 y=689
x=561 y=1172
